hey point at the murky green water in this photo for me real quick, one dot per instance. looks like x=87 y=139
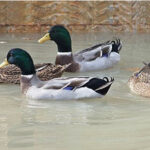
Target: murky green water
x=119 y=121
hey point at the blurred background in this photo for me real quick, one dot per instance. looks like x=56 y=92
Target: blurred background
x=85 y=16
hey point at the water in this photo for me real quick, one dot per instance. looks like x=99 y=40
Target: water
x=120 y=120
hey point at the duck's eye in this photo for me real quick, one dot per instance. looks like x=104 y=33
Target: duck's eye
x=10 y=54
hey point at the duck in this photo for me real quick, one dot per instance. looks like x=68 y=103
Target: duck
x=98 y=57
x=57 y=88
x=45 y=71
x=139 y=82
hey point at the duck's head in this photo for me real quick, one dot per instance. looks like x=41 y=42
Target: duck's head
x=60 y=35
x=21 y=59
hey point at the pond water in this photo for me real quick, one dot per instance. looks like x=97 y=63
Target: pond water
x=119 y=121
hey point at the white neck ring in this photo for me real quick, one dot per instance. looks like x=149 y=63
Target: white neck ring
x=64 y=53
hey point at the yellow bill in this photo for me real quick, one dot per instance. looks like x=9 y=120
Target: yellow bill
x=45 y=38
x=4 y=63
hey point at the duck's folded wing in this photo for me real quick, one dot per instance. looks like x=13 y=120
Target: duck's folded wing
x=98 y=85
x=93 y=52
x=100 y=50
x=65 y=83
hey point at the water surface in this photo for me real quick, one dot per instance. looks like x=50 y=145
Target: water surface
x=120 y=120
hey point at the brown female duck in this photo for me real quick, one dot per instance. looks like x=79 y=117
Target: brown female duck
x=45 y=71
x=139 y=82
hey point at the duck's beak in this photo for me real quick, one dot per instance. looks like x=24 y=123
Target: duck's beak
x=4 y=63
x=45 y=38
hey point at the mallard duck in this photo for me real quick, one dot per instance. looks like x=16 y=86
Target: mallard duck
x=98 y=57
x=45 y=71
x=139 y=82
x=58 y=88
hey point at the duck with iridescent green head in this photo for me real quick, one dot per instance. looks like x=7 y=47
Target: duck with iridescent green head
x=98 y=57
x=58 y=88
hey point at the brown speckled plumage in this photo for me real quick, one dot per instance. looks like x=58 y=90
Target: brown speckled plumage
x=11 y=73
x=139 y=82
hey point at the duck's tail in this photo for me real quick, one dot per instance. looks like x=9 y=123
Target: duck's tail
x=100 y=86
x=116 y=45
